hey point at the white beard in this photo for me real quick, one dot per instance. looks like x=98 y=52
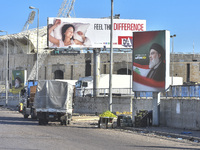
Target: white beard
x=154 y=62
x=16 y=85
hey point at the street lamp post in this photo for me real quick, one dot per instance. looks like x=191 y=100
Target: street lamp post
x=6 y=68
x=172 y=36
x=31 y=7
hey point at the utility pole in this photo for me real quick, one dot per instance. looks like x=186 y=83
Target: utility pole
x=172 y=36
x=6 y=68
x=111 y=57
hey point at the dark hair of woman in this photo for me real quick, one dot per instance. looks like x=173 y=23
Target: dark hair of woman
x=64 y=28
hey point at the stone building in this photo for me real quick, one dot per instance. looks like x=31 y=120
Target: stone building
x=186 y=66
x=22 y=55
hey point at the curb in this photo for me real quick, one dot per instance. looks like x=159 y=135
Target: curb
x=166 y=134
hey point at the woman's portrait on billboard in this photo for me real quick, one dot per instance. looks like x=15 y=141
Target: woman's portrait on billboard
x=17 y=82
x=69 y=34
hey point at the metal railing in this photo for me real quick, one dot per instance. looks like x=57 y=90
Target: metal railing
x=175 y=91
x=104 y=92
x=183 y=91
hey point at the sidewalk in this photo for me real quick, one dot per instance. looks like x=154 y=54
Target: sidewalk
x=177 y=133
x=191 y=135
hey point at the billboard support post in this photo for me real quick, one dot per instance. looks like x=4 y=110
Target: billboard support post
x=96 y=71
x=156 y=103
x=111 y=58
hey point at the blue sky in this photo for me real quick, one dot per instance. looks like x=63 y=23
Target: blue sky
x=180 y=17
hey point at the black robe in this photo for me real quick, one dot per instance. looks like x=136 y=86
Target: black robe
x=157 y=72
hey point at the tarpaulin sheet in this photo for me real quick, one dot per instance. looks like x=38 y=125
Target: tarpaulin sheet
x=53 y=95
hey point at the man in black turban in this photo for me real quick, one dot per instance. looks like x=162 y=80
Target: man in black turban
x=156 y=63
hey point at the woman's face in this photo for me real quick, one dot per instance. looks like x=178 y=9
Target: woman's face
x=69 y=32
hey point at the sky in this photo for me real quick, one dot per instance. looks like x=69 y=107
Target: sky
x=180 y=17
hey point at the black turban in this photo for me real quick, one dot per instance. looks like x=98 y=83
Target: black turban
x=159 y=49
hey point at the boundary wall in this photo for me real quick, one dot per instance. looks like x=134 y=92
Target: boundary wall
x=174 y=112
x=98 y=105
x=181 y=113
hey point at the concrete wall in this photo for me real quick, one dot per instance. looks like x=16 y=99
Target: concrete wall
x=174 y=112
x=177 y=113
x=13 y=101
x=180 y=113
x=101 y=104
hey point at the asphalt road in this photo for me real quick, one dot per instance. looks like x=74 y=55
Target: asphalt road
x=17 y=133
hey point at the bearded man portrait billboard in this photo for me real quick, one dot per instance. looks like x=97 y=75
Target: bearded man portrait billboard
x=150 y=64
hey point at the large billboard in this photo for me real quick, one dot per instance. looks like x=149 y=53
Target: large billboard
x=151 y=58
x=18 y=80
x=91 y=33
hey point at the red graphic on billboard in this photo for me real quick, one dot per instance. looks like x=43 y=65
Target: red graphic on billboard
x=126 y=41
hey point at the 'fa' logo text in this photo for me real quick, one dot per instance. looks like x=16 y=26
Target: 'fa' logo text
x=125 y=41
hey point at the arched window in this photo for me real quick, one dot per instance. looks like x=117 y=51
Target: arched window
x=124 y=71
x=58 y=74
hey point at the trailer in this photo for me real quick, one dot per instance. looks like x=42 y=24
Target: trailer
x=53 y=102
x=121 y=85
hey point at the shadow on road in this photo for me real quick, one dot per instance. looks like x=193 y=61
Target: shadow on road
x=168 y=147
x=17 y=121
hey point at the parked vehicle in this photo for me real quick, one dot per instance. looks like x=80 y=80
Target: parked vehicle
x=26 y=101
x=121 y=85
x=53 y=101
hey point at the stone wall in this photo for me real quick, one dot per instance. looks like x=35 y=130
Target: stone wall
x=22 y=48
x=73 y=66
x=20 y=57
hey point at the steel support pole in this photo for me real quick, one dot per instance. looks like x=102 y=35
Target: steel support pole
x=96 y=71
x=156 y=106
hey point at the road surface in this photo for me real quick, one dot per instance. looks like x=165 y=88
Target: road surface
x=17 y=133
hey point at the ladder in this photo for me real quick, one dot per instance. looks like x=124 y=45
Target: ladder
x=41 y=58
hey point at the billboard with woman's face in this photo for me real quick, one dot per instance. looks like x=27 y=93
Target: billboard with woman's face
x=151 y=60
x=91 y=33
